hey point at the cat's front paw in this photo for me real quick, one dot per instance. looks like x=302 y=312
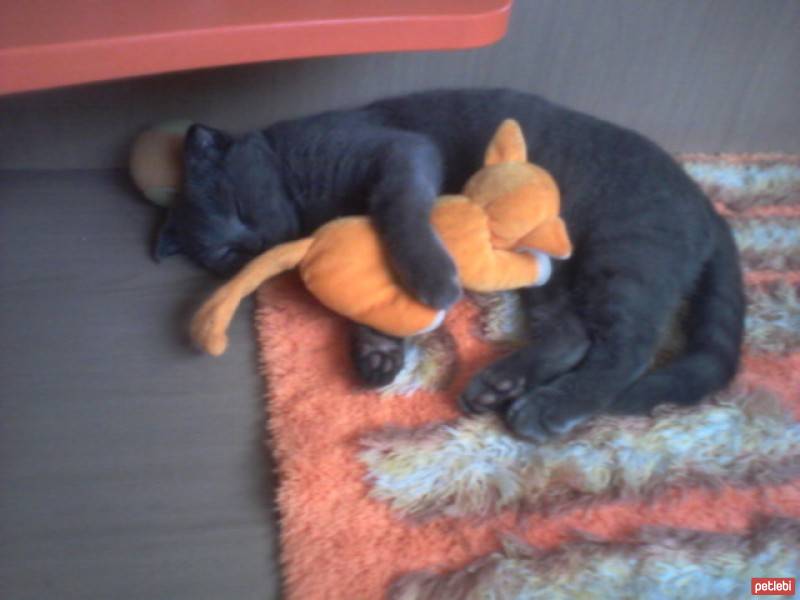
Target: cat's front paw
x=378 y=358
x=543 y=413
x=427 y=271
x=436 y=286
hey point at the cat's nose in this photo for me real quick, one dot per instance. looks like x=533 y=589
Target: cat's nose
x=253 y=245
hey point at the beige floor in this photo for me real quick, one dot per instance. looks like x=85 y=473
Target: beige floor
x=130 y=467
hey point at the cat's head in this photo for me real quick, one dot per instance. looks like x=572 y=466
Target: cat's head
x=234 y=203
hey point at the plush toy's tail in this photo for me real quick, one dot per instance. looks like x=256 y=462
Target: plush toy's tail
x=713 y=331
x=210 y=324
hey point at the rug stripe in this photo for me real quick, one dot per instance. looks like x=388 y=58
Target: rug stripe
x=657 y=564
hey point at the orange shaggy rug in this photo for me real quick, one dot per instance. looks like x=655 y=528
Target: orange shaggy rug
x=392 y=493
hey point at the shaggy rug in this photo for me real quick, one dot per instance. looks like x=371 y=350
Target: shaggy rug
x=393 y=493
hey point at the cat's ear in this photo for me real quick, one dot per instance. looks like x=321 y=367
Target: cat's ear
x=167 y=243
x=204 y=144
x=507 y=145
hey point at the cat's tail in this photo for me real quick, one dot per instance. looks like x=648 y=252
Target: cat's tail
x=209 y=326
x=714 y=331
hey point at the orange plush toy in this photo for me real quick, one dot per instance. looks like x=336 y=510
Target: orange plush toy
x=501 y=233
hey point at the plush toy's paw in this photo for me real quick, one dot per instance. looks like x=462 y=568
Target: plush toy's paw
x=493 y=389
x=378 y=358
x=543 y=413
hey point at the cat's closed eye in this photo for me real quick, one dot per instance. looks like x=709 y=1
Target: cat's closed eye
x=225 y=260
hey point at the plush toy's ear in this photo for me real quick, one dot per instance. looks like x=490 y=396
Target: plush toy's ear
x=507 y=145
x=167 y=243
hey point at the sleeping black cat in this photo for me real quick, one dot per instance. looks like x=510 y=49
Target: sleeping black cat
x=646 y=240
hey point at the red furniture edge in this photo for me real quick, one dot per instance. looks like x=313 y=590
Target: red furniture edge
x=52 y=43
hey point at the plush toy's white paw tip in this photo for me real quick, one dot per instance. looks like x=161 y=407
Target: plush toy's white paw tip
x=545 y=267
x=436 y=322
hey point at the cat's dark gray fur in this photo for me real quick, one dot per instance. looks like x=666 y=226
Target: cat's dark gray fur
x=645 y=237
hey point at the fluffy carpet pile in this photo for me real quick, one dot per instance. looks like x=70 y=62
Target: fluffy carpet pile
x=394 y=494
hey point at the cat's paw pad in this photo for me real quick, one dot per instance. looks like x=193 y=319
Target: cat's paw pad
x=492 y=390
x=377 y=358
